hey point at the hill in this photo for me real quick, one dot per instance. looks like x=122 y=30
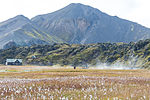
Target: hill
x=117 y=54
x=22 y=31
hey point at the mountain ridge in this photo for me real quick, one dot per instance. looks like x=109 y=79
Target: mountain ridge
x=86 y=24
x=22 y=31
x=74 y=24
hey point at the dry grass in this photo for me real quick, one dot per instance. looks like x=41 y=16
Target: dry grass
x=80 y=84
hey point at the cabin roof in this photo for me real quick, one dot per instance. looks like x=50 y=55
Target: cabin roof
x=13 y=60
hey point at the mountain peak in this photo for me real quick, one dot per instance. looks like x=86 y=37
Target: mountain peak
x=21 y=17
x=18 y=18
x=76 y=4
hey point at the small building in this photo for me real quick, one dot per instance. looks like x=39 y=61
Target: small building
x=13 y=62
x=85 y=66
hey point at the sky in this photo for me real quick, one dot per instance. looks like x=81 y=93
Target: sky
x=133 y=10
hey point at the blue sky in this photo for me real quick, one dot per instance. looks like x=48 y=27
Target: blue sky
x=133 y=10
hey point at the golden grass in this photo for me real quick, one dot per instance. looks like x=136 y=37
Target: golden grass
x=79 y=84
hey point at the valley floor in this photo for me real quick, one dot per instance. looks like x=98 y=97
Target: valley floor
x=55 y=83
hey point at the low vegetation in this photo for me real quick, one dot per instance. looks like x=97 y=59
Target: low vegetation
x=132 y=54
x=79 y=84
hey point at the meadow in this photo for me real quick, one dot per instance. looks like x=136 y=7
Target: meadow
x=52 y=83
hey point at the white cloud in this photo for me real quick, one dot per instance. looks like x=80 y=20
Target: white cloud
x=134 y=10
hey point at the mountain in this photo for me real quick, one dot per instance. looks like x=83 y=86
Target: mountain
x=22 y=31
x=73 y=24
x=82 y=24
x=99 y=54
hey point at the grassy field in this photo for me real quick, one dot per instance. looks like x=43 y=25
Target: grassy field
x=54 y=83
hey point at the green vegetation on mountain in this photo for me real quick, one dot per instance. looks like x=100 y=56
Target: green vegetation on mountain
x=132 y=54
x=23 y=32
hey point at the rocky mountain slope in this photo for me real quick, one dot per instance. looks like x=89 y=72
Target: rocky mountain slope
x=73 y=24
x=117 y=54
x=78 y=23
x=23 y=32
